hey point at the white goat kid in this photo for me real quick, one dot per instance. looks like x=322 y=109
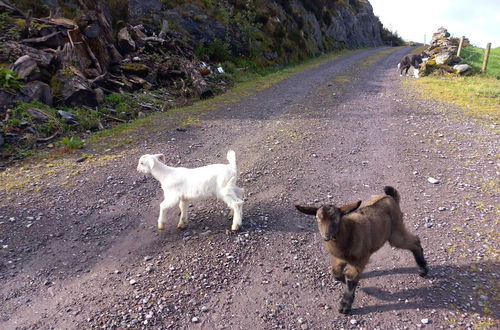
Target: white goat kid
x=181 y=185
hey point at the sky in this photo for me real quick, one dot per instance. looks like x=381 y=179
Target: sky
x=478 y=20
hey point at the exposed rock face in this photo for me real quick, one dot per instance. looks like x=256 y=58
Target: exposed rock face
x=312 y=26
x=144 y=9
x=356 y=29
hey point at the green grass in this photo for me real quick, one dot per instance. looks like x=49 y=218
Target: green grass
x=72 y=143
x=474 y=56
x=478 y=96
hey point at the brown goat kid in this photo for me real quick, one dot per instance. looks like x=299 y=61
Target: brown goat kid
x=353 y=232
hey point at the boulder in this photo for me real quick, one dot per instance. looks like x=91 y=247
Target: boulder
x=69 y=118
x=24 y=66
x=77 y=91
x=74 y=89
x=36 y=91
x=125 y=42
x=442 y=59
x=462 y=68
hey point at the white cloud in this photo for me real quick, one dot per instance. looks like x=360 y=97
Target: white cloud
x=478 y=20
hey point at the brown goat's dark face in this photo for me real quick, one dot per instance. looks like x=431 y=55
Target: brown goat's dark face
x=328 y=217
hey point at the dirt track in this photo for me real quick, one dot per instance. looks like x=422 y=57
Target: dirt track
x=73 y=238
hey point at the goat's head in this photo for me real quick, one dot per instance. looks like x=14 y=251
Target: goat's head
x=147 y=162
x=328 y=217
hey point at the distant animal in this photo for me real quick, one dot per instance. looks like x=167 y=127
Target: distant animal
x=353 y=232
x=412 y=60
x=181 y=185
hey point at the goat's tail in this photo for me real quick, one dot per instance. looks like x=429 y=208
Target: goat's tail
x=392 y=192
x=231 y=158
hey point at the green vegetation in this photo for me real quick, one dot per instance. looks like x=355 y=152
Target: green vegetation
x=72 y=143
x=10 y=28
x=217 y=51
x=391 y=38
x=474 y=56
x=9 y=79
x=478 y=96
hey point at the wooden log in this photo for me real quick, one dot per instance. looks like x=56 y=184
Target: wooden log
x=486 y=57
x=5 y=5
x=460 y=45
x=16 y=50
x=201 y=86
x=52 y=40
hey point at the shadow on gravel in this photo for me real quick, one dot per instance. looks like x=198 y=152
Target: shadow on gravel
x=450 y=289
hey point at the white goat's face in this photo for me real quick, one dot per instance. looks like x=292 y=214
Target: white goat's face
x=145 y=164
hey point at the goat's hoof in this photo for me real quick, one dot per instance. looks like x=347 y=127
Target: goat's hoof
x=181 y=227
x=234 y=229
x=344 y=309
x=423 y=271
x=161 y=229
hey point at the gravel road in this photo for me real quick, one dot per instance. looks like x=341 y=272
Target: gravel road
x=79 y=246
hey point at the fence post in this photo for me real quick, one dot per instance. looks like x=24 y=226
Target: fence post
x=486 y=56
x=460 y=44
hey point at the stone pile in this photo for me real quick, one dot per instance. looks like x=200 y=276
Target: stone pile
x=443 y=57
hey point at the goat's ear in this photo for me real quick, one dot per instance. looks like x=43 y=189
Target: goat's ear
x=160 y=157
x=349 y=207
x=311 y=210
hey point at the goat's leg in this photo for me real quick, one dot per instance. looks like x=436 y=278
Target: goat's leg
x=404 y=240
x=236 y=205
x=338 y=266
x=352 y=274
x=416 y=72
x=164 y=206
x=183 y=217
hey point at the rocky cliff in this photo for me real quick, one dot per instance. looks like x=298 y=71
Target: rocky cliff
x=279 y=30
x=275 y=31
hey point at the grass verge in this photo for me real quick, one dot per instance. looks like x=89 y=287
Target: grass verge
x=478 y=96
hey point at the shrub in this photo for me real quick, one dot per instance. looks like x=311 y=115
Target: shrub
x=9 y=79
x=72 y=143
x=217 y=51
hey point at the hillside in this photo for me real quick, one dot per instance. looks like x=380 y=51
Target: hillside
x=78 y=64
